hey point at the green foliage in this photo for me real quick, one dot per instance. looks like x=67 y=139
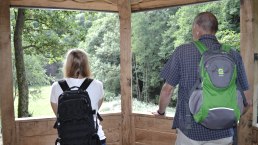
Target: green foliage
x=36 y=74
x=102 y=45
x=48 y=34
x=146 y=41
x=157 y=33
x=35 y=70
x=230 y=37
x=52 y=32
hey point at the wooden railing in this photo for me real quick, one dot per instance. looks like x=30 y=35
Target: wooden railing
x=148 y=130
x=40 y=131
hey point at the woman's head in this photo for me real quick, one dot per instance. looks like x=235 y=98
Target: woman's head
x=76 y=64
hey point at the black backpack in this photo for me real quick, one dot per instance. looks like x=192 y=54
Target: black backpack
x=75 y=122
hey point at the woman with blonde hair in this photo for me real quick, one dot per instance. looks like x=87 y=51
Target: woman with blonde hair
x=76 y=71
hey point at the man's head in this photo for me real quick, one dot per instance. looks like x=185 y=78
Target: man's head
x=204 y=23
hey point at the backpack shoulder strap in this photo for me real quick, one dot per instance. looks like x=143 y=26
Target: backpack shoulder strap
x=86 y=84
x=226 y=47
x=201 y=47
x=63 y=84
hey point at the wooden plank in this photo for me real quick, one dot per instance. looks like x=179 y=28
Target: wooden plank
x=112 y=135
x=36 y=128
x=247 y=51
x=112 y=128
x=141 y=5
x=33 y=129
x=115 y=143
x=255 y=136
x=96 y=5
x=111 y=121
x=255 y=99
x=38 y=140
x=139 y=143
x=154 y=123
x=103 y=5
x=6 y=89
x=124 y=9
x=152 y=137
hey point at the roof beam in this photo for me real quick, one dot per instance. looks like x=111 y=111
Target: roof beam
x=102 y=5
x=94 y=5
x=142 y=5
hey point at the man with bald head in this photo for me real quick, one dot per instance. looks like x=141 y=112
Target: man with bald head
x=182 y=69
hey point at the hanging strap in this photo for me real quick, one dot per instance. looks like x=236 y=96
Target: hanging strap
x=63 y=84
x=201 y=47
x=242 y=94
x=86 y=84
x=187 y=109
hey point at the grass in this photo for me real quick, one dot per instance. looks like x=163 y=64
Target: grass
x=39 y=106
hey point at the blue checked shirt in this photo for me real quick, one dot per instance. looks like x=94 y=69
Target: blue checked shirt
x=181 y=69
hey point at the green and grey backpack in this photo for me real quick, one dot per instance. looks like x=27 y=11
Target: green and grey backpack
x=216 y=101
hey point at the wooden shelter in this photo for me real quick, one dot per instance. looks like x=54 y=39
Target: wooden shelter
x=125 y=128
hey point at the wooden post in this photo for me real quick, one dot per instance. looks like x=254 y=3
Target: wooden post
x=248 y=38
x=256 y=62
x=6 y=89
x=124 y=9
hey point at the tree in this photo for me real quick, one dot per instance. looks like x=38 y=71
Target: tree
x=46 y=32
x=147 y=38
x=20 y=68
x=102 y=45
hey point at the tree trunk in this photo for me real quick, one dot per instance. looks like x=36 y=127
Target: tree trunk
x=23 y=89
x=138 y=87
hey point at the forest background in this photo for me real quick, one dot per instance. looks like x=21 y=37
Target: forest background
x=41 y=38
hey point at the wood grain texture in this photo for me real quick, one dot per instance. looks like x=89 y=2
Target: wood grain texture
x=153 y=137
x=255 y=135
x=124 y=9
x=96 y=5
x=40 y=131
x=152 y=130
x=103 y=5
x=255 y=33
x=6 y=89
x=247 y=29
x=142 y=5
x=154 y=123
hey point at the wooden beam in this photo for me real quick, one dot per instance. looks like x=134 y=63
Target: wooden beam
x=96 y=5
x=102 y=5
x=141 y=5
x=247 y=44
x=6 y=89
x=255 y=99
x=40 y=131
x=154 y=137
x=124 y=9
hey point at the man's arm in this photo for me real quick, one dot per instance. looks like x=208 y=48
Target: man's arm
x=165 y=97
x=248 y=100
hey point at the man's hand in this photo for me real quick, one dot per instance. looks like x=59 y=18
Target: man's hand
x=157 y=113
